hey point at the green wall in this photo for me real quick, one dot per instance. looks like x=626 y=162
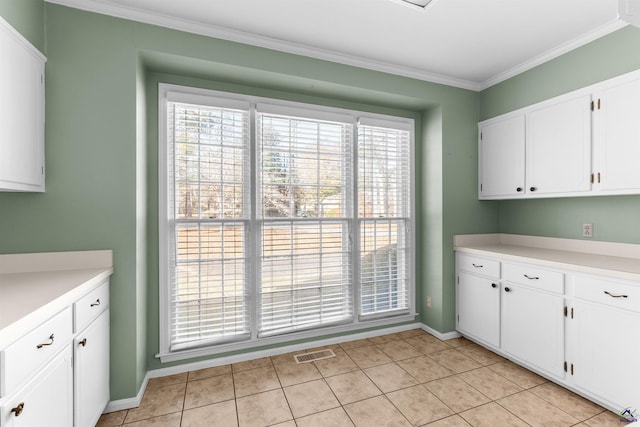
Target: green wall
x=101 y=157
x=614 y=217
x=90 y=198
x=26 y=16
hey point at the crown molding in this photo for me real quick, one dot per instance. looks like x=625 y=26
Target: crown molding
x=228 y=34
x=554 y=53
x=261 y=41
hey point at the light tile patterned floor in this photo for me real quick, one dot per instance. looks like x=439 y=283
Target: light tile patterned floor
x=404 y=379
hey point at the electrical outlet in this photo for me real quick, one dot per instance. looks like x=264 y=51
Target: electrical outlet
x=587 y=230
x=429 y=303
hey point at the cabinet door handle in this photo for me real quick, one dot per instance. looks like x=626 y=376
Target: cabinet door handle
x=531 y=277
x=95 y=303
x=477 y=265
x=519 y=189
x=507 y=289
x=493 y=285
x=83 y=342
x=18 y=409
x=532 y=189
x=45 y=344
x=616 y=296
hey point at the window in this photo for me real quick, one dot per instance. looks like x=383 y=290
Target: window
x=279 y=220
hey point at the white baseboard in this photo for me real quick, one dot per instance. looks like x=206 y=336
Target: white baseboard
x=118 y=405
x=132 y=402
x=446 y=336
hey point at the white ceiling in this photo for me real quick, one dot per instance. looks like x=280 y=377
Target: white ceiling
x=471 y=44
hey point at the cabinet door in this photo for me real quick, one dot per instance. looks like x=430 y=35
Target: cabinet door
x=501 y=152
x=559 y=147
x=47 y=400
x=606 y=353
x=21 y=113
x=92 y=371
x=617 y=142
x=478 y=311
x=533 y=327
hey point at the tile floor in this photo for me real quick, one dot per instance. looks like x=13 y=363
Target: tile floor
x=404 y=379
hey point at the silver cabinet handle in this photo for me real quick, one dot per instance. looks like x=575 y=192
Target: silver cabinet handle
x=95 y=303
x=45 y=344
x=531 y=277
x=477 y=265
x=616 y=296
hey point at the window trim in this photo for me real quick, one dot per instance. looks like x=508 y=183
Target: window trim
x=171 y=92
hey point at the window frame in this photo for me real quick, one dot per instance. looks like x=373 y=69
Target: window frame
x=187 y=94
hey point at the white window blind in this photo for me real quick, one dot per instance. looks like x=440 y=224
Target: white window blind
x=279 y=218
x=209 y=153
x=384 y=172
x=305 y=180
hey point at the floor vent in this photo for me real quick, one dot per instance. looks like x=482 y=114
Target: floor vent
x=316 y=355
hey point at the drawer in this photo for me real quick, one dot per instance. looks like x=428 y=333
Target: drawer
x=90 y=306
x=478 y=265
x=536 y=277
x=30 y=353
x=610 y=292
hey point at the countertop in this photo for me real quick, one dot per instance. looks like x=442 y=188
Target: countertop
x=34 y=287
x=620 y=260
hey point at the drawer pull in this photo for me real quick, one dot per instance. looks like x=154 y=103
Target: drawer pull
x=95 y=303
x=83 y=342
x=507 y=289
x=531 y=277
x=45 y=344
x=493 y=285
x=18 y=409
x=477 y=265
x=616 y=296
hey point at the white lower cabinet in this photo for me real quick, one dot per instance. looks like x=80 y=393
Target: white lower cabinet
x=578 y=330
x=606 y=354
x=479 y=308
x=46 y=400
x=604 y=323
x=57 y=375
x=532 y=328
x=91 y=371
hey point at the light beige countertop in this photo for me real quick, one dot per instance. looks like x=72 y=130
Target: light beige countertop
x=620 y=260
x=34 y=287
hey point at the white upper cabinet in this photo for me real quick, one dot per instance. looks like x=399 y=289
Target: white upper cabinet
x=583 y=143
x=617 y=143
x=21 y=113
x=558 y=145
x=502 y=157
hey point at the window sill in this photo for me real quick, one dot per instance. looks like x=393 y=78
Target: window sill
x=314 y=337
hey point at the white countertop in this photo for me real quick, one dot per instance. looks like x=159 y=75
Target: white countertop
x=34 y=287
x=620 y=260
